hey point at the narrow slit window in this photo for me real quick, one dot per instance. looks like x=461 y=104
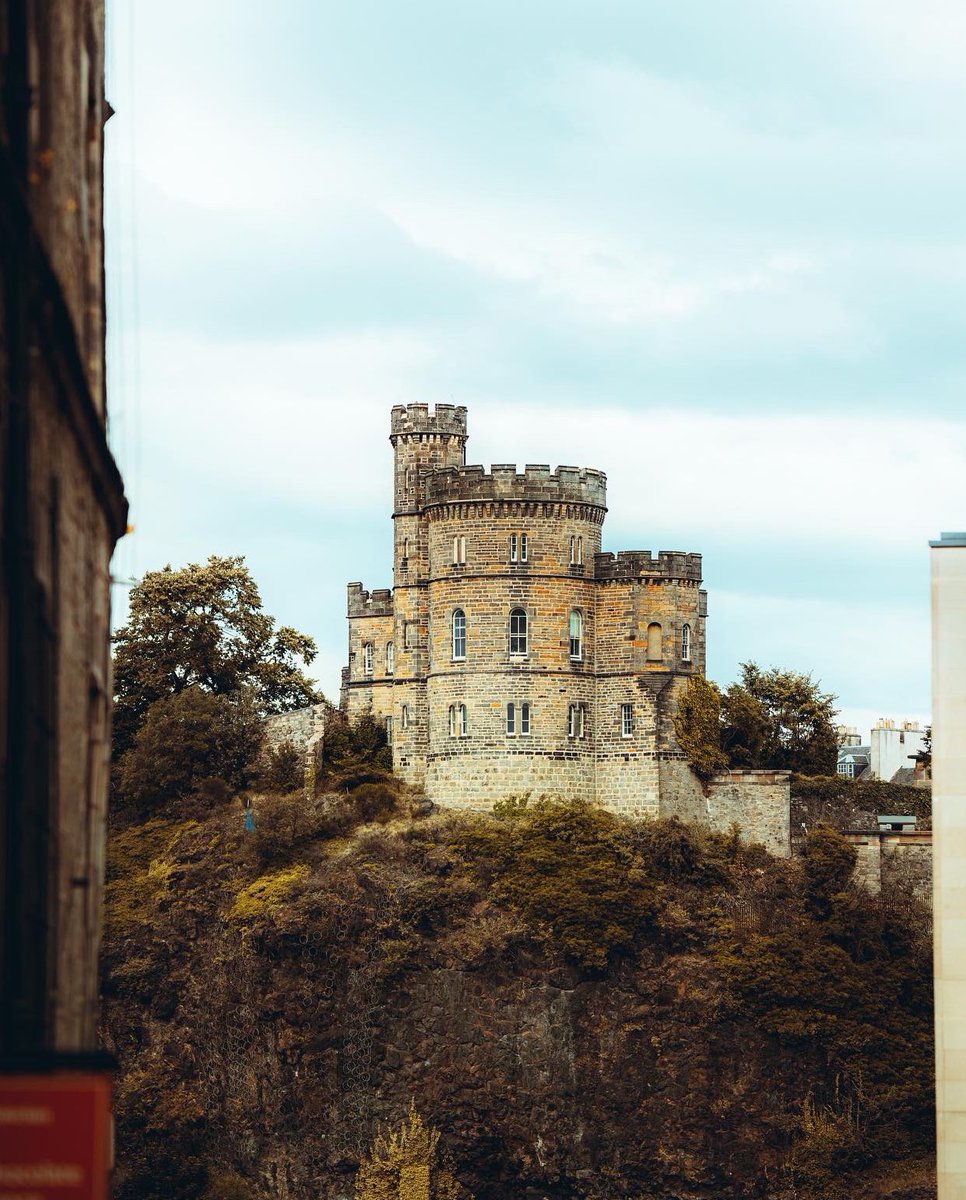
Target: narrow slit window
x=525 y=720
x=389 y=730
x=575 y=721
x=452 y=720
x=404 y=716
x=513 y=547
x=459 y=551
x=686 y=643
x=461 y=716
x=390 y=658
x=576 y=635
x=511 y=719
x=459 y=635
x=367 y=658
x=518 y=631
x=627 y=720
x=580 y=550
x=524 y=547
x=573 y=549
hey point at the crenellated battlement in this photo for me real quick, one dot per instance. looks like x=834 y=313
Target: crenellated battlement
x=578 y=485
x=633 y=564
x=361 y=603
x=449 y=419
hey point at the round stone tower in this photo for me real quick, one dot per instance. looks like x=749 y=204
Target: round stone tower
x=512 y=635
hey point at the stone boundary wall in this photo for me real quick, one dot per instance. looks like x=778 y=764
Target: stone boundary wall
x=758 y=802
x=887 y=858
x=305 y=729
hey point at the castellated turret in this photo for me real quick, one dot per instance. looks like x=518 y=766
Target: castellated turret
x=511 y=654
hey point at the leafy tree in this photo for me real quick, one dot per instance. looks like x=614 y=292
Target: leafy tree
x=697 y=724
x=780 y=720
x=185 y=741
x=204 y=627
x=777 y=720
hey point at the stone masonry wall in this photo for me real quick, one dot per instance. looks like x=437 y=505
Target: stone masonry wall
x=894 y=859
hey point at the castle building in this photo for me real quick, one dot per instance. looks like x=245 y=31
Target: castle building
x=511 y=655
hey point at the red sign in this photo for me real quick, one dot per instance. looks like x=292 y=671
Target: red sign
x=54 y=1136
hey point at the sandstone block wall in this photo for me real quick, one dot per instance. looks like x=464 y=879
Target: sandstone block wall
x=890 y=859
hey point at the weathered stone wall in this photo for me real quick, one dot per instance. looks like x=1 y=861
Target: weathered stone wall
x=894 y=859
x=297 y=727
x=757 y=802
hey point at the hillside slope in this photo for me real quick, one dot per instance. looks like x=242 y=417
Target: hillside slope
x=582 y=1006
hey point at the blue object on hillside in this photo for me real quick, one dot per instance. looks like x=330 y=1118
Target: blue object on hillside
x=249 y=821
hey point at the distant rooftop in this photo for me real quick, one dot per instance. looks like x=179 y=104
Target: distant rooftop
x=950 y=539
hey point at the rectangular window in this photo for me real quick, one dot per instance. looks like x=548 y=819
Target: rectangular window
x=410 y=636
x=459 y=551
x=518 y=631
x=389 y=730
x=575 y=721
x=525 y=720
x=367 y=658
x=524 y=547
x=576 y=635
x=627 y=720
x=513 y=547
x=511 y=720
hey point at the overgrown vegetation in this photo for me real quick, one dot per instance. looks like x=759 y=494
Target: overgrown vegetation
x=763 y=1027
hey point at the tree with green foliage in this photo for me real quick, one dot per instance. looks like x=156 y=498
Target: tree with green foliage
x=780 y=720
x=697 y=724
x=204 y=627
x=186 y=740
x=769 y=720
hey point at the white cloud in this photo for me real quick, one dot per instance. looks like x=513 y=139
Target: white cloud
x=834 y=478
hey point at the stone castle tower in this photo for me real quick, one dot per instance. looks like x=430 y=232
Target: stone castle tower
x=511 y=655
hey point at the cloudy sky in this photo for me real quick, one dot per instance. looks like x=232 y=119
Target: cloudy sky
x=715 y=249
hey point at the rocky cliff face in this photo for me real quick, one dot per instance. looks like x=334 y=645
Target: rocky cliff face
x=582 y=1007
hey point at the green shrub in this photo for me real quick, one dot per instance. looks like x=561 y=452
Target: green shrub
x=283 y=768
x=185 y=740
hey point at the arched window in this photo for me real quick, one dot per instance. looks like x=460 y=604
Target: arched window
x=405 y=553
x=452 y=720
x=654 y=650
x=457 y=720
x=576 y=714
x=461 y=715
x=525 y=720
x=405 y=716
x=390 y=658
x=459 y=634
x=686 y=643
x=367 y=658
x=511 y=719
x=518 y=631
x=580 y=550
x=576 y=635
x=573 y=549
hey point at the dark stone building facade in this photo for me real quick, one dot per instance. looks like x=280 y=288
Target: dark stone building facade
x=62 y=509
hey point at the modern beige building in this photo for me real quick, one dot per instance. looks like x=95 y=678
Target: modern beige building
x=949 y=871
